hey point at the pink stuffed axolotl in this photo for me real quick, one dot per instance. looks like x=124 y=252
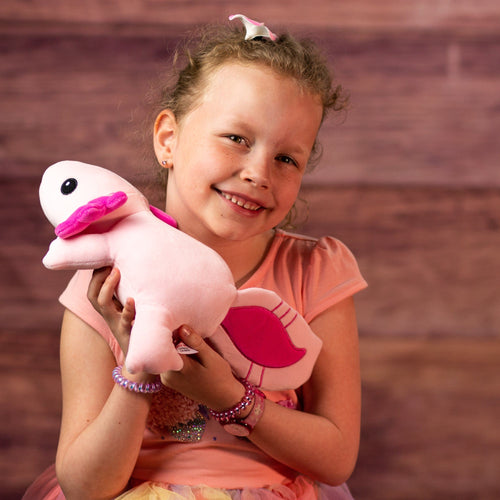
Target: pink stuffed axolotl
x=103 y=220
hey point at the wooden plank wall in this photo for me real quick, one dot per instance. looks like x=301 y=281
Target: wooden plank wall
x=409 y=180
x=409 y=177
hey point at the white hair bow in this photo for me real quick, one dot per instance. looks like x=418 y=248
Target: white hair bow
x=253 y=28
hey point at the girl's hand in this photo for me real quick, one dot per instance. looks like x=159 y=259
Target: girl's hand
x=206 y=376
x=101 y=293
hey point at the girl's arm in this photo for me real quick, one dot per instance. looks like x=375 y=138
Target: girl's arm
x=322 y=441
x=102 y=424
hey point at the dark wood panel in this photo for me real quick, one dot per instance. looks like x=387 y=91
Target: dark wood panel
x=30 y=407
x=424 y=106
x=428 y=426
x=430 y=255
x=389 y=14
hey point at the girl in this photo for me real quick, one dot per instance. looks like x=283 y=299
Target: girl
x=235 y=134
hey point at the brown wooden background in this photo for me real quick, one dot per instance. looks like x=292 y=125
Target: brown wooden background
x=410 y=180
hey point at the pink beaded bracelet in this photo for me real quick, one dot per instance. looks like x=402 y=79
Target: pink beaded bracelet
x=144 y=388
x=243 y=427
x=230 y=414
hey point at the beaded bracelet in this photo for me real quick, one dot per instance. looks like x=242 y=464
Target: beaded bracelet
x=230 y=414
x=143 y=388
x=243 y=427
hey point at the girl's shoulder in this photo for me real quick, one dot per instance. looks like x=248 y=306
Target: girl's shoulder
x=310 y=251
x=309 y=273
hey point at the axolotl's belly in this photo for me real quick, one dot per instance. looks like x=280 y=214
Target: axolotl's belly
x=163 y=267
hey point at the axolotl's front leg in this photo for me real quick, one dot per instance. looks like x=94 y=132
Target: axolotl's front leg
x=86 y=251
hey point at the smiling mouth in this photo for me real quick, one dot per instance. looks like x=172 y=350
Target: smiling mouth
x=241 y=202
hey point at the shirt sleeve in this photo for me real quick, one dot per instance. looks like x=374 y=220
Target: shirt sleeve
x=332 y=274
x=74 y=298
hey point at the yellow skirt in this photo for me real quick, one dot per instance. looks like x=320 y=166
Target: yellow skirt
x=299 y=489
x=154 y=491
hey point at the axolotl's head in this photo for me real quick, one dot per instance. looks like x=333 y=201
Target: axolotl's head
x=75 y=194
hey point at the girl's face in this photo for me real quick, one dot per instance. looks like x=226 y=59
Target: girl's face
x=238 y=156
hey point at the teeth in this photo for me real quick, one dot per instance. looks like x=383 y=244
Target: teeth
x=240 y=203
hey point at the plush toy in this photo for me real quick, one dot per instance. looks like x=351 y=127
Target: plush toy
x=102 y=220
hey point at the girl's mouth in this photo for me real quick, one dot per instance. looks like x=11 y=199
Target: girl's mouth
x=241 y=202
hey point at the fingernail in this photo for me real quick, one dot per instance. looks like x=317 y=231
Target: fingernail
x=186 y=330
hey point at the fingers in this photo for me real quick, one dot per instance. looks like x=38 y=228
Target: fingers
x=198 y=351
x=128 y=315
x=191 y=338
x=101 y=291
x=108 y=288
x=99 y=276
x=206 y=377
x=128 y=312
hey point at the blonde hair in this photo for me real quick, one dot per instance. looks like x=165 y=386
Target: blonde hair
x=214 y=46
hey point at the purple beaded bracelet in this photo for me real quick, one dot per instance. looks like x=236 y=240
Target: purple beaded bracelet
x=230 y=414
x=143 y=388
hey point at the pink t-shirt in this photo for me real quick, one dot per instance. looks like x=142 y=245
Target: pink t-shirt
x=311 y=275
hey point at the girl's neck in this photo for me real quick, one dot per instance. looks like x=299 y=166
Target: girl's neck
x=245 y=266
x=243 y=257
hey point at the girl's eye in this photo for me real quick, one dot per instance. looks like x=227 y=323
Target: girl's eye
x=236 y=138
x=287 y=159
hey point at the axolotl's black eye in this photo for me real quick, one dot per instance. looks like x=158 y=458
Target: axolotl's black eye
x=69 y=185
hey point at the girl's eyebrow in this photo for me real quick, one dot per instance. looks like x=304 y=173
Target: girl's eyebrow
x=236 y=122
x=296 y=149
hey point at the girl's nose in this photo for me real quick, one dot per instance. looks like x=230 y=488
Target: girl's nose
x=256 y=172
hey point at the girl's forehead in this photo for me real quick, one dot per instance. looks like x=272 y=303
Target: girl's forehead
x=254 y=97
x=239 y=78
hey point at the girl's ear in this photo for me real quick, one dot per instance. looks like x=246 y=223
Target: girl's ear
x=165 y=136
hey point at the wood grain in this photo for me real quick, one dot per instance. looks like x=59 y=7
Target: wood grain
x=409 y=180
